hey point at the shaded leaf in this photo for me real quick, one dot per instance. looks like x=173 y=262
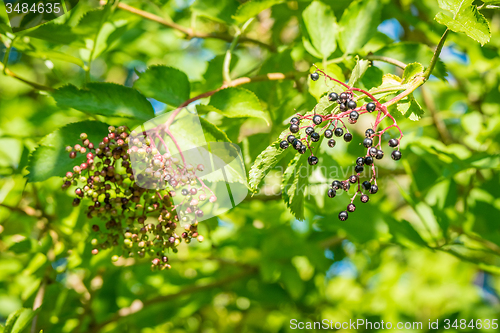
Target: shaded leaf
x=165 y=84
x=250 y=9
x=264 y=163
x=410 y=108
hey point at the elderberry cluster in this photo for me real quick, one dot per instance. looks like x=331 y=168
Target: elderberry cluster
x=134 y=219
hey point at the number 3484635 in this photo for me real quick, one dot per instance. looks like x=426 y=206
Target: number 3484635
x=34 y=8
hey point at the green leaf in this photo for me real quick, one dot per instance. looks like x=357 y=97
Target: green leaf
x=358 y=71
x=412 y=70
x=213 y=133
x=107 y=99
x=359 y=24
x=165 y=84
x=324 y=85
x=18 y=321
x=294 y=185
x=21 y=246
x=235 y=103
x=410 y=108
x=218 y=10
x=50 y=157
x=404 y=233
x=321 y=26
x=372 y=78
x=464 y=18
x=264 y=163
x=251 y=9
x=55 y=33
x=11 y=320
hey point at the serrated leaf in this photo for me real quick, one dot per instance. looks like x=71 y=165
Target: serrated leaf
x=106 y=99
x=165 y=84
x=264 y=163
x=50 y=157
x=294 y=185
x=410 y=108
x=358 y=71
x=213 y=133
x=359 y=24
x=321 y=27
x=250 y=9
x=235 y=103
x=323 y=85
x=464 y=17
x=412 y=70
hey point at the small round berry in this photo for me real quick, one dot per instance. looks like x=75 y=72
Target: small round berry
x=346 y=186
x=369 y=132
x=184 y=192
x=302 y=149
x=328 y=133
x=336 y=184
x=283 y=144
x=343 y=215
x=331 y=143
x=309 y=130
x=332 y=97
x=95 y=251
x=380 y=155
x=290 y=138
x=76 y=202
x=373 y=151
x=344 y=96
x=396 y=155
x=313 y=160
x=83 y=136
x=351 y=208
x=317 y=119
x=359 y=168
x=295 y=121
x=374 y=189
x=347 y=137
x=296 y=144
x=294 y=128
x=331 y=193
x=353 y=179
x=69 y=148
x=368 y=160
x=366 y=185
x=354 y=115
x=69 y=174
x=393 y=143
x=367 y=142
x=351 y=104
x=72 y=154
x=342 y=107
x=364 y=198
x=360 y=161
x=338 y=132
x=315 y=137
x=370 y=107
x=315 y=76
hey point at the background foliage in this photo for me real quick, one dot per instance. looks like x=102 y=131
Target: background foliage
x=427 y=246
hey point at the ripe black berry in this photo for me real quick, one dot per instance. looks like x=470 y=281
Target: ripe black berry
x=366 y=185
x=344 y=97
x=336 y=185
x=302 y=149
x=296 y=144
x=184 y=192
x=351 y=104
x=346 y=186
x=290 y=138
x=328 y=133
x=284 y=144
x=315 y=137
x=370 y=107
x=347 y=137
x=380 y=154
x=331 y=143
x=313 y=160
x=360 y=161
x=368 y=160
x=374 y=189
x=343 y=215
x=76 y=202
x=333 y=97
x=294 y=128
x=331 y=193
x=364 y=198
x=353 y=179
x=342 y=107
x=393 y=143
x=358 y=168
x=396 y=155
x=339 y=132
x=315 y=76
x=295 y=121
x=373 y=151
x=351 y=208
x=309 y=130
x=369 y=132
x=367 y=142
x=354 y=115
x=317 y=119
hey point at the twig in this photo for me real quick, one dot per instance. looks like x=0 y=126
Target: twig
x=227 y=58
x=38 y=302
x=33 y=84
x=435 y=57
x=443 y=132
x=388 y=60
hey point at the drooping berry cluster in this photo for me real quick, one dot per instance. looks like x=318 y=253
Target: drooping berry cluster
x=127 y=204
x=345 y=106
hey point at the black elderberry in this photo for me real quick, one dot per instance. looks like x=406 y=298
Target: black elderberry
x=283 y=144
x=369 y=132
x=302 y=149
x=367 y=142
x=364 y=198
x=328 y=133
x=368 y=160
x=290 y=138
x=309 y=130
x=294 y=128
x=354 y=115
x=373 y=151
x=333 y=97
x=338 y=132
x=76 y=202
x=331 y=143
x=315 y=76
x=396 y=155
x=343 y=215
x=313 y=160
x=346 y=186
x=351 y=208
x=331 y=193
x=380 y=155
x=360 y=161
x=297 y=144
x=353 y=179
x=344 y=97
x=393 y=143
x=366 y=185
x=347 y=137
x=336 y=184
x=351 y=104
x=295 y=121
x=374 y=189
x=342 y=107
x=315 y=137
x=370 y=107
x=358 y=168
x=317 y=119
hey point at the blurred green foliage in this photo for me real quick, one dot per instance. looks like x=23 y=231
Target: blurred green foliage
x=427 y=246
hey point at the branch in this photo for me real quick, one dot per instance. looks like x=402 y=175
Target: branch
x=187 y=31
x=435 y=57
x=38 y=302
x=227 y=59
x=443 y=132
x=388 y=60
x=33 y=84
